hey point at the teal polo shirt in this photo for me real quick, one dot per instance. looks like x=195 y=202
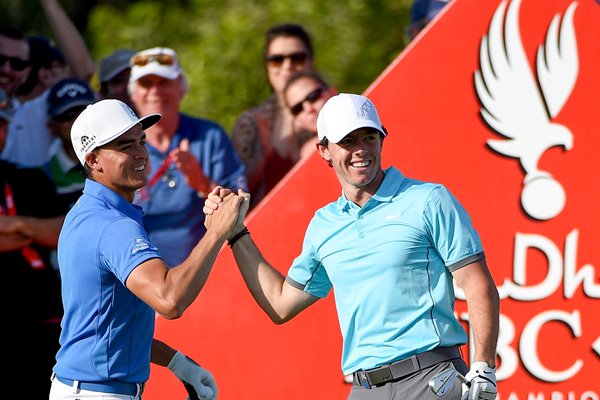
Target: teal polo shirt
x=390 y=265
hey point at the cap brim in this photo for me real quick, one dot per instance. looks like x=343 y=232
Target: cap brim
x=167 y=72
x=351 y=127
x=149 y=120
x=146 y=123
x=75 y=103
x=114 y=72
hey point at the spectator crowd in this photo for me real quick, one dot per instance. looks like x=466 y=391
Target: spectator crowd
x=77 y=162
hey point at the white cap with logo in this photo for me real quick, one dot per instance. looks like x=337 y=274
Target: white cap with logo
x=345 y=113
x=159 y=61
x=103 y=122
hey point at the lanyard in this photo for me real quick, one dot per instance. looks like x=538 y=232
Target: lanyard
x=160 y=171
x=28 y=252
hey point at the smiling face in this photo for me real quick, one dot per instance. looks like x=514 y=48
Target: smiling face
x=356 y=160
x=121 y=164
x=14 y=51
x=286 y=55
x=155 y=94
x=305 y=97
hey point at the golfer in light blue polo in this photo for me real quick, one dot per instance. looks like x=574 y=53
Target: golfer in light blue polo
x=390 y=247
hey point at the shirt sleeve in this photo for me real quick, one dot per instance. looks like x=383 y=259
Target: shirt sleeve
x=307 y=272
x=451 y=230
x=125 y=245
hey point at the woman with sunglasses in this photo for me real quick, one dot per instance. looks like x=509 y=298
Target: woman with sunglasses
x=264 y=135
x=305 y=93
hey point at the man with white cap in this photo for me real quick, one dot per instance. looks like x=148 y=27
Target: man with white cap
x=114 y=277
x=390 y=246
x=188 y=155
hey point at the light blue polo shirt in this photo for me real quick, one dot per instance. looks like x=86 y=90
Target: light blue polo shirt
x=390 y=265
x=106 y=330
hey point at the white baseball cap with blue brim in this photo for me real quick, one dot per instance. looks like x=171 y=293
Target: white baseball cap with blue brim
x=345 y=113
x=103 y=122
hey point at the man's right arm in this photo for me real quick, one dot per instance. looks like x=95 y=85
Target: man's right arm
x=170 y=291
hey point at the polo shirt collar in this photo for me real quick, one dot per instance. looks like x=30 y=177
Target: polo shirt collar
x=390 y=186
x=103 y=193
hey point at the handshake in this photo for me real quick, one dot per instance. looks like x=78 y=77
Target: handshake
x=225 y=211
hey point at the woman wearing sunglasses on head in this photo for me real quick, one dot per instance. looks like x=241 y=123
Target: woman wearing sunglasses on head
x=264 y=135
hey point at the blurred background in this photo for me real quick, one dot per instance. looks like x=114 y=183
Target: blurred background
x=220 y=43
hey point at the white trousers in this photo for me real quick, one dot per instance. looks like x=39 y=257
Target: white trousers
x=60 y=391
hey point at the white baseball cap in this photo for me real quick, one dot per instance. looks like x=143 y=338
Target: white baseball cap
x=345 y=113
x=160 y=61
x=103 y=122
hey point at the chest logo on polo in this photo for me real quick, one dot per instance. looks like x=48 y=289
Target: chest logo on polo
x=390 y=217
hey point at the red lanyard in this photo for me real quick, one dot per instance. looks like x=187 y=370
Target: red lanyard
x=160 y=171
x=28 y=252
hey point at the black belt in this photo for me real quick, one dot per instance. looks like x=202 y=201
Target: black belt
x=398 y=369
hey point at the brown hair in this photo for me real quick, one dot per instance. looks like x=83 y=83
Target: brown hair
x=288 y=30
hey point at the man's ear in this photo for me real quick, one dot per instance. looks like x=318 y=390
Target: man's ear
x=92 y=160
x=323 y=151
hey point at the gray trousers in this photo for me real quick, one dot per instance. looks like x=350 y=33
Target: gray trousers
x=414 y=386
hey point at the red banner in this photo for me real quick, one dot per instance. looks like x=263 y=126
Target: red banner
x=498 y=100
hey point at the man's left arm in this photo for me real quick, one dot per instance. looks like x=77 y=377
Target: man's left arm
x=483 y=304
x=198 y=381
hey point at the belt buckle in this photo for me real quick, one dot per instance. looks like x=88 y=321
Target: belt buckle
x=363 y=378
x=380 y=375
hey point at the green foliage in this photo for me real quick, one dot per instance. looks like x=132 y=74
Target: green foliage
x=220 y=43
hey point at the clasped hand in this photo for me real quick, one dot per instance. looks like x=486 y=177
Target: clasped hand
x=218 y=199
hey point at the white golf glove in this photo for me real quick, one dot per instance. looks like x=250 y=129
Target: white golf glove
x=482 y=381
x=191 y=374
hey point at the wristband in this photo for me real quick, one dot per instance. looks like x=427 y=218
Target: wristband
x=237 y=236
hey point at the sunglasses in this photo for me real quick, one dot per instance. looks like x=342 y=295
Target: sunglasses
x=15 y=63
x=312 y=97
x=297 y=59
x=144 y=59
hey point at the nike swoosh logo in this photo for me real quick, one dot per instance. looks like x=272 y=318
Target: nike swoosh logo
x=392 y=216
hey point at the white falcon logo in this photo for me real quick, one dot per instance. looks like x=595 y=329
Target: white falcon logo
x=513 y=106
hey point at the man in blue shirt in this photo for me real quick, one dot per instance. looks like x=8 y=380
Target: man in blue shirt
x=390 y=246
x=114 y=278
x=188 y=155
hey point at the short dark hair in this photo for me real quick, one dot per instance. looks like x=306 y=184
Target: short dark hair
x=12 y=32
x=289 y=30
x=43 y=53
x=305 y=74
x=325 y=142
